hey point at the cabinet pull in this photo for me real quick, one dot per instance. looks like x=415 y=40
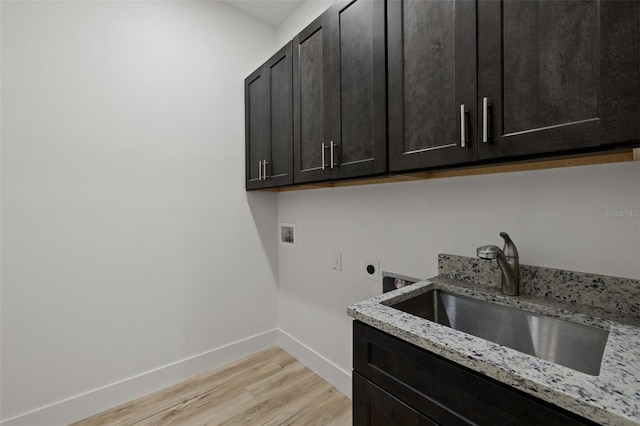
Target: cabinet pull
x=485 y=120
x=463 y=127
x=260 y=170
x=264 y=165
x=323 y=148
x=333 y=145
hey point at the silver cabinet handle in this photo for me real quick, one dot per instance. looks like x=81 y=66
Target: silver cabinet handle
x=485 y=119
x=331 y=156
x=463 y=127
x=323 y=148
x=260 y=170
x=264 y=165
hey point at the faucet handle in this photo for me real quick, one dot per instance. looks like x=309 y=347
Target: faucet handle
x=509 y=249
x=489 y=252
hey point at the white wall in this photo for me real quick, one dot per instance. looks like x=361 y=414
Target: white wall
x=557 y=218
x=128 y=240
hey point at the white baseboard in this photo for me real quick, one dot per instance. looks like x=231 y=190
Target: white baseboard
x=320 y=365
x=106 y=397
x=97 y=400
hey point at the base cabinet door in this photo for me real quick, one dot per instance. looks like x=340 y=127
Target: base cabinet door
x=372 y=406
x=269 y=123
x=557 y=75
x=437 y=389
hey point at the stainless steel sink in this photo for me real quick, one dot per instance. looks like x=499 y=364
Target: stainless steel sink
x=576 y=346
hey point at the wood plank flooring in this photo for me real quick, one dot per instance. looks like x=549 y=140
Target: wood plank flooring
x=267 y=388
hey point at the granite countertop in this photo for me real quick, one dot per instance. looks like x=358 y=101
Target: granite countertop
x=611 y=398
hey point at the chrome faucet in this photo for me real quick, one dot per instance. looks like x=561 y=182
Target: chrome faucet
x=507 y=259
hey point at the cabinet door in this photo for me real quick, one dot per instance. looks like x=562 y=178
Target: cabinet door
x=372 y=406
x=557 y=74
x=358 y=88
x=432 y=83
x=269 y=123
x=311 y=102
x=444 y=391
x=257 y=143
x=279 y=169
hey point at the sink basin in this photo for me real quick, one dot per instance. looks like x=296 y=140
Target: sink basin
x=576 y=346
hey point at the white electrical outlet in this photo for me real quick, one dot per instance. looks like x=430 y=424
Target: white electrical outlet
x=337 y=261
x=372 y=269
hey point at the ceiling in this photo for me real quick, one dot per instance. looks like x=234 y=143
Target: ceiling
x=271 y=12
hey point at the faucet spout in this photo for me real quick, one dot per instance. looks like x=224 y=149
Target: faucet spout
x=508 y=261
x=510 y=249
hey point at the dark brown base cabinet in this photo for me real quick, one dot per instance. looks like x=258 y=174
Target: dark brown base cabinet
x=396 y=383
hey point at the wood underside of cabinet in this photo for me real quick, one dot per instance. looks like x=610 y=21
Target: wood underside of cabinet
x=568 y=161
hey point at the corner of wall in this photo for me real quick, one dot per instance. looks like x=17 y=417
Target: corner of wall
x=323 y=367
x=300 y=18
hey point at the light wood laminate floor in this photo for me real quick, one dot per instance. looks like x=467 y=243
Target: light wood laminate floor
x=267 y=388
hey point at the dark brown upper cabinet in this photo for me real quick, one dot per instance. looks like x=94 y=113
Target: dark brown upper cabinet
x=269 y=123
x=432 y=83
x=552 y=76
x=455 y=83
x=312 y=102
x=339 y=92
x=557 y=75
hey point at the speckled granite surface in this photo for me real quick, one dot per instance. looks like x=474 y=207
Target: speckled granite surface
x=599 y=291
x=612 y=398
